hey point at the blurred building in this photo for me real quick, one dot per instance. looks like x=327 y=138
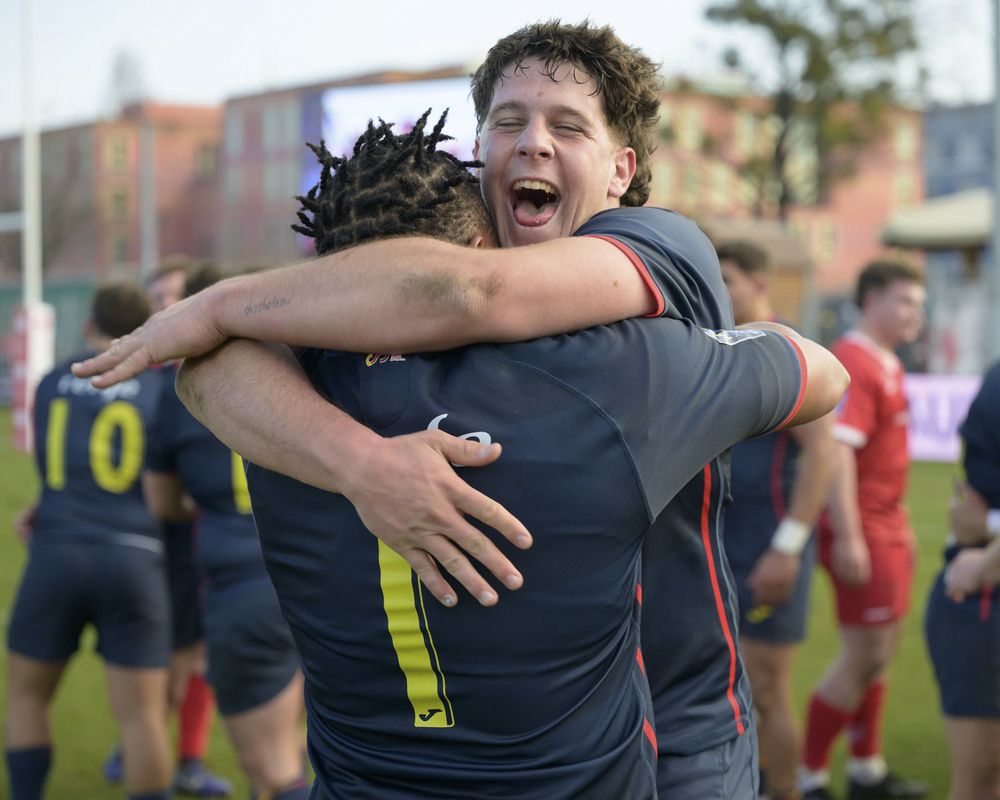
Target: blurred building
x=958 y=159
x=113 y=191
x=92 y=191
x=264 y=163
x=710 y=137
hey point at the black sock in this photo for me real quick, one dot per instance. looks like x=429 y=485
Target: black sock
x=297 y=791
x=28 y=769
x=163 y=794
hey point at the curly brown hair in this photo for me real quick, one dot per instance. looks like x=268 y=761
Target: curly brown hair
x=626 y=81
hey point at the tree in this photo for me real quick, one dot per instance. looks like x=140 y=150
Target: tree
x=834 y=82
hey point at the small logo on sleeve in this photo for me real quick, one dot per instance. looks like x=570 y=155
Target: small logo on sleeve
x=733 y=337
x=382 y=358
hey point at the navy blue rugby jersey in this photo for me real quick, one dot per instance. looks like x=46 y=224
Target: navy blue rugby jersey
x=675 y=259
x=763 y=473
x=981 y=434
x=226 y=540
x=90 y=447
x=701 y=695
x=540 y=696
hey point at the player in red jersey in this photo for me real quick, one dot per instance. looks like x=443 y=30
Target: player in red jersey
x=866 y=543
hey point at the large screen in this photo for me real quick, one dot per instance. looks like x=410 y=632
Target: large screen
x=345 y=113
x=339 y=116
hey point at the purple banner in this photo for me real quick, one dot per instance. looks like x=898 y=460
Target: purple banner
x=938 y=406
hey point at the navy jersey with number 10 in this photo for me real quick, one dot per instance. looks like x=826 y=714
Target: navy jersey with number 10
x=90 y=446
x=543 y=695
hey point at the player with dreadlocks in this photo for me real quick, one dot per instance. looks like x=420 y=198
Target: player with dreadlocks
x=394 y=186
x=567 y=117
x=409 y=698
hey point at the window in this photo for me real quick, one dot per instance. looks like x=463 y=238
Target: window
x=292 y=122
x=692 y=185
x=273 y=175
x=234 y=184
x=205 y=160
x=721 y=195
x=746 y=134
x=118 y=204
x=234 y=132
x=118 y=153
x=826 y=244
x=969 y=152
x=270 y=127
x=119 y=248
x=663 y=181
x=904 y=189
x=690 y=129
x=905 y=141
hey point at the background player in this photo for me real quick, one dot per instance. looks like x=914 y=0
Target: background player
x=780 y=484
x=866 y=544
x=253 y=664
x=96 y=557
x=190 y=693
x=962 y=623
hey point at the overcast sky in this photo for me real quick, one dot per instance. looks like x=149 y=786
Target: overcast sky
x=202 y=51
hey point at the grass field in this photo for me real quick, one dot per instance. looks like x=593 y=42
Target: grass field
x=915 y=745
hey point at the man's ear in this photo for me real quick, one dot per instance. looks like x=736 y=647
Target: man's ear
x=623 y=170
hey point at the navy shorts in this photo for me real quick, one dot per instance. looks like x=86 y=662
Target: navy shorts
x=964 y=644
x=185 y=580
x=728 y=771
x=119 y=588
x=782 y=624
x=251 y=655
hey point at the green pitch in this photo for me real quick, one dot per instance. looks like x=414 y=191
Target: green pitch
x=84 y=731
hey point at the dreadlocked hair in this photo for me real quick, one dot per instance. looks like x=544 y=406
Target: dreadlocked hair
x=393 y=185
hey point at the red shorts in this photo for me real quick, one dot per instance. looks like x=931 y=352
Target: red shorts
x=886 y=596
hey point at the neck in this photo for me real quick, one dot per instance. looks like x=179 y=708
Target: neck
x=872 y=332
x=758 y=312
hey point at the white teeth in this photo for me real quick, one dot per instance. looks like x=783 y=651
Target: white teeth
x=539 y=185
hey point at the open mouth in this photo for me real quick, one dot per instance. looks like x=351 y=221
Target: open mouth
x=534 y=202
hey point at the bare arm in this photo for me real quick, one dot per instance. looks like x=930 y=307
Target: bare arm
x=419 y=512
x=972 y=570
x=850 y=553
x=401 y=295
x=166 y=498
x=815 y=475
x=775 y=573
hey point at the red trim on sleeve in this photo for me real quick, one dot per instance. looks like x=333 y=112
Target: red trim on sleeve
x=805 y=381
x=647 y=729
x=720 y=609
x=639 y=660
x=638 y=593
x=661 y=303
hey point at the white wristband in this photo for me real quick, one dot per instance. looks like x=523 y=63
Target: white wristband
x=993 y=523
x=791 y=536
